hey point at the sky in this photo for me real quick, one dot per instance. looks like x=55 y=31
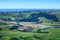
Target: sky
x=29 y=4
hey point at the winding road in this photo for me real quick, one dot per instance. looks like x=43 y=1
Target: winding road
x=28 y=24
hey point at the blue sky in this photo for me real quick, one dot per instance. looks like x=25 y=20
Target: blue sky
x=29 y=4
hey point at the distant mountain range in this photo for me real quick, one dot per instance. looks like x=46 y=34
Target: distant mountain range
x=6 y=10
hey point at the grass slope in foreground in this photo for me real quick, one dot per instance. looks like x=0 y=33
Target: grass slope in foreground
x=54 y=34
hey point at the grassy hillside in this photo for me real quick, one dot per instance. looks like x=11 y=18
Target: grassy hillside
x=44 y=34
x=44 y=17
x=31 y=20
x=16 y=35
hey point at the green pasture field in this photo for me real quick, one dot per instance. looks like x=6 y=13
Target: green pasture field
x=6 y=34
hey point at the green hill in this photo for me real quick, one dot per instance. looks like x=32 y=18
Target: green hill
x=10 y=31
